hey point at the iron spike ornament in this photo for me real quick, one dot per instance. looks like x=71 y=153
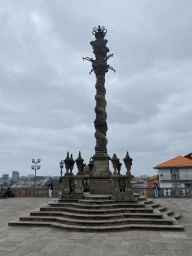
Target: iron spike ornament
x=100 y=67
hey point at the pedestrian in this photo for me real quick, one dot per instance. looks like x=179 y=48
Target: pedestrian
x=8 y=193
x=50 y=185
x=156 y=188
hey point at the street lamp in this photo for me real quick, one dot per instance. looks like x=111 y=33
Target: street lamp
x=35 y=167
x=61 y=167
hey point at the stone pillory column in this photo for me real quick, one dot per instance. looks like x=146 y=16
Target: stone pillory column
x=100 y=181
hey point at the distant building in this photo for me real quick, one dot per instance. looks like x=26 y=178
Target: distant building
x=15 y=175
x=30 y=175
x=152 y=179
x=5 y=177
x=179 y=167
x=143 y=176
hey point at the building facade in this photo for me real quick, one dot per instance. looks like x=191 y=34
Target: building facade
x=178 y=168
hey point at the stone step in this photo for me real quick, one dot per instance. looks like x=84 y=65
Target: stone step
x=96 y=197
x=157 y=227
x=97 y=206
x=154 y=205
x=136 y=195
x=96 y=211
x=84 y=201
x=97 y=222
x=162 y=208
x=176 y=216
x=100 y=229
x=98 y=217
x=141 y=198
x=149 y=201
x=68 y=200
x=169 y=213
x=88 y=201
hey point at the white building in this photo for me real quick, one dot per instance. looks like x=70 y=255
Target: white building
x=180 y=168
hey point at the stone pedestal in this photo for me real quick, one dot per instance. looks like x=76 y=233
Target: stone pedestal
x=129 y=187
x=60 y=187
x=79 y=189
x=122 y=192
x=100 y=166
x=66 y=187
x=100 y=186
x=100 y=177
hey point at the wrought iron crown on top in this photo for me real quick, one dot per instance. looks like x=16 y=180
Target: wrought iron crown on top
x=99 y=32
x=99 y=65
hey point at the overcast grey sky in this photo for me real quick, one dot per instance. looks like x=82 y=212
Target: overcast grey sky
x=47 y=95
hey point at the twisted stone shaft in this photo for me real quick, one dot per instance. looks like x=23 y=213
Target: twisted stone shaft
x=100 y=67
x=101 y=115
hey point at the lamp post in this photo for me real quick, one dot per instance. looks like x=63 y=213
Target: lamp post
x=61 y=167
x=35 y=167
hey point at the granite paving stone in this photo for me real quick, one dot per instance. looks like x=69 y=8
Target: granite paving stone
x=165 y=253
x=176 y=247
x=3 y=253
x=158 y=246
x=183 y=253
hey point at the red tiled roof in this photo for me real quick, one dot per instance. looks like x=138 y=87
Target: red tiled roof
x=153 y=177
x=179 y=161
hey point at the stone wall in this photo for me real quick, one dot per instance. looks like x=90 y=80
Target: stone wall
x=31 y=192
x=43 y=192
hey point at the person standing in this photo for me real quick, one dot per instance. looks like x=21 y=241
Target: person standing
x=156 y=189
x=50 y=185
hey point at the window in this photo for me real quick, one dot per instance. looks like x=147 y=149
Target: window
x=188 y=185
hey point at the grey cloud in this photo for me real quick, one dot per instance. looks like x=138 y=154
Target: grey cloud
x=47 y=96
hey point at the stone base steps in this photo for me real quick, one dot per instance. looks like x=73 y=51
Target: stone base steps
x=89 y=222
x=99 y=213
x=98 y=206
x=97 y=217
x=101 y=228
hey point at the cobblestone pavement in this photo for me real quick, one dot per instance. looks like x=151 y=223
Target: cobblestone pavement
x=16 y=241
